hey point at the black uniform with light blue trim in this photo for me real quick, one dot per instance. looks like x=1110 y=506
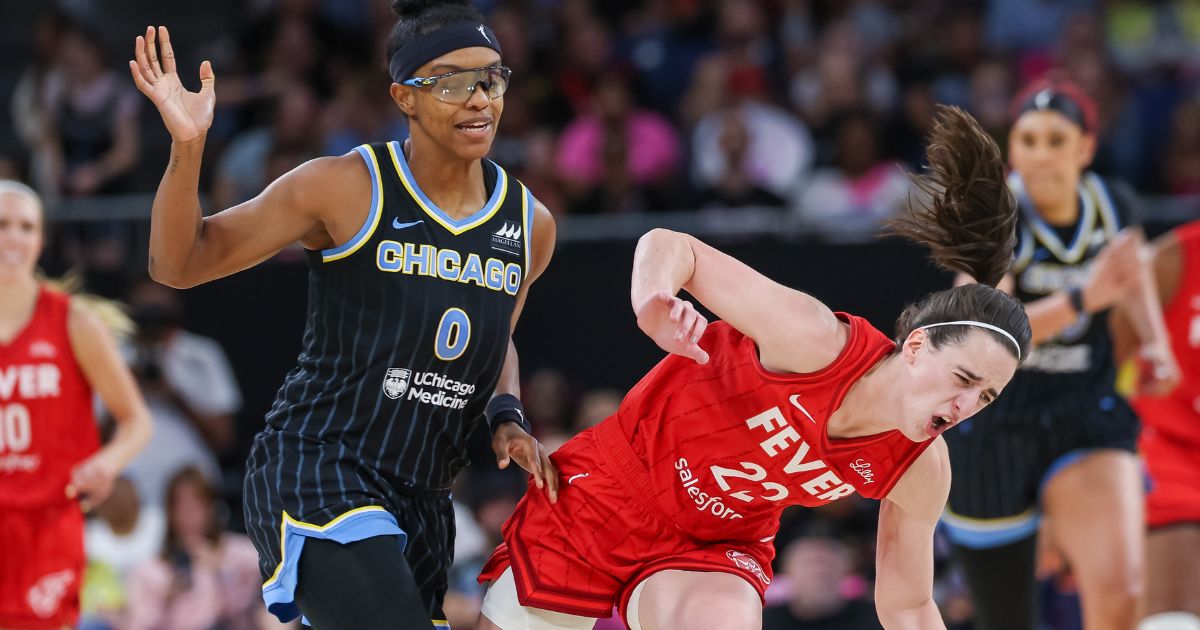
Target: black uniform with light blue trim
x=1061 y=403
x=407 y=330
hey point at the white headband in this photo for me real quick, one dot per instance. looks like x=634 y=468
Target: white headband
x=967 y=322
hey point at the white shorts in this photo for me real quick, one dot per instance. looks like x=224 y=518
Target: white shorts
x=501 y=607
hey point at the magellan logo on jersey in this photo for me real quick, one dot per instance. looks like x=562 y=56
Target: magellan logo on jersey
x=508 y=238
x=396 y=382
x=748 y=563
x=429 y=388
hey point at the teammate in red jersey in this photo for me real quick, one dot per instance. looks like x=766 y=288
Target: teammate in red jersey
x=671 y=505
x=1170 y=433
x=54 y=351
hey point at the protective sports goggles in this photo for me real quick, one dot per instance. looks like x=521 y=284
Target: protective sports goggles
x=457 y=87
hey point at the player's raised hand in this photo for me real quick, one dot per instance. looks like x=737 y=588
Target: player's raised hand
x=511 y=443
x=674 y=324
x=187 y=115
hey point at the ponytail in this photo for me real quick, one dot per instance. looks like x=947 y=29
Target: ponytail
x=968 y=217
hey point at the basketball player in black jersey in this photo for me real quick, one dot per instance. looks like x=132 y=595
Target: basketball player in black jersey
x=421 y=255
x=1060 y=441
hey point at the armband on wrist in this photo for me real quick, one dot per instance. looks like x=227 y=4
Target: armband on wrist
x=1075 y=295
x=506 y=408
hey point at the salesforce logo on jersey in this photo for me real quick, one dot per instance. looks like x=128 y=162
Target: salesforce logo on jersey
x=429 y=388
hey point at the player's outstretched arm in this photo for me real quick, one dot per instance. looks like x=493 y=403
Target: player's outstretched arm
x=510 y=440
x=904 y=557
x=781 y=320
x=187 y=248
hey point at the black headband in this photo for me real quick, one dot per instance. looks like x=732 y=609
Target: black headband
x=437 y=43
x=1050 y=99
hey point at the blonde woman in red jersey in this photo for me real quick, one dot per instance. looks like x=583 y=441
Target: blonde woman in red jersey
x=1170 y=437
x=670 y=506
x=54 y=353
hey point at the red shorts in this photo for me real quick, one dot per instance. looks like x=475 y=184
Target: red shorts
x=42 y=567
x=1174 y=470
x=589 y=551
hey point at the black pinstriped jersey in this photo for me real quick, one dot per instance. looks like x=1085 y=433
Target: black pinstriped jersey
x=407 y=329
x=1053 y=258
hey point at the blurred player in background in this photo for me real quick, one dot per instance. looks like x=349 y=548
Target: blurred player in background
x=1061 y=440
x=1170 y=437
x=55 y=351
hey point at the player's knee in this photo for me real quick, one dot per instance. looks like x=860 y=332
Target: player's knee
x=1124 y=581
x=1119 y=588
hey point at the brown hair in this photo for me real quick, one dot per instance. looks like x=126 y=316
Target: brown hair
x=968 y=219
x=190 y=476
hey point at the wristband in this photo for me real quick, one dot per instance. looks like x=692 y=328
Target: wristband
x=506 y=408
x=1075 y=295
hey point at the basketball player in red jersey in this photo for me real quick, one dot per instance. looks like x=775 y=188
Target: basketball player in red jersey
x=1170 y=435
x=671 y=505
x=54 y=352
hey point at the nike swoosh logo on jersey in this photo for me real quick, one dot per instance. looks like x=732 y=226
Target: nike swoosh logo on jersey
x=400 y=226
x=795 y=400
x=579 y=476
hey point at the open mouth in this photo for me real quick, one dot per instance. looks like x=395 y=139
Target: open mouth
x=475 y=127
x=938 y=424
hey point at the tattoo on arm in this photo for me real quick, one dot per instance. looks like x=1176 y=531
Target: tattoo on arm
x=174 y=165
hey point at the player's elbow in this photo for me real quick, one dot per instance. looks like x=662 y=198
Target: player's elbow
x=168 y=276
x=660 y=237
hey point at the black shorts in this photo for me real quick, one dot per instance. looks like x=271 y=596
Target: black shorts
x=287 y=503
x=1002 y=458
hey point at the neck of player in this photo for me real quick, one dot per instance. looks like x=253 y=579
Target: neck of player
x=869 y=407
x=453 y=184
x=17 y=299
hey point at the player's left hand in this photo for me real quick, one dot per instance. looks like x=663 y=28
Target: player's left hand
x=1159 y=373
x=92 y=480
x=512 y=443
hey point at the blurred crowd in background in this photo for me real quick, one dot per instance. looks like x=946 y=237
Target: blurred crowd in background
x=814 y=107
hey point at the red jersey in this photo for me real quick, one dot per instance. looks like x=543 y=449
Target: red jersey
x=1177 y=415
x=729 y=444
x=47 y=424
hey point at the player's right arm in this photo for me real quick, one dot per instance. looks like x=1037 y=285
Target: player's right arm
x=779 y=319
x=187 y=248
x=1113 y=275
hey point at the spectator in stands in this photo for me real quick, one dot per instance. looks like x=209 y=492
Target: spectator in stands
x=1183 y=153
x=189 y=387
x=242 y=168
x=824 y=593
x=205 y=577
x=778 y=150
x=120 y=535
x=860 y=190
x=90 y=140
x=617 y=156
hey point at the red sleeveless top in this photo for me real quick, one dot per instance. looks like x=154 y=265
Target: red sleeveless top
x=47 y=424
x=729 y=444
x=1178 y=413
